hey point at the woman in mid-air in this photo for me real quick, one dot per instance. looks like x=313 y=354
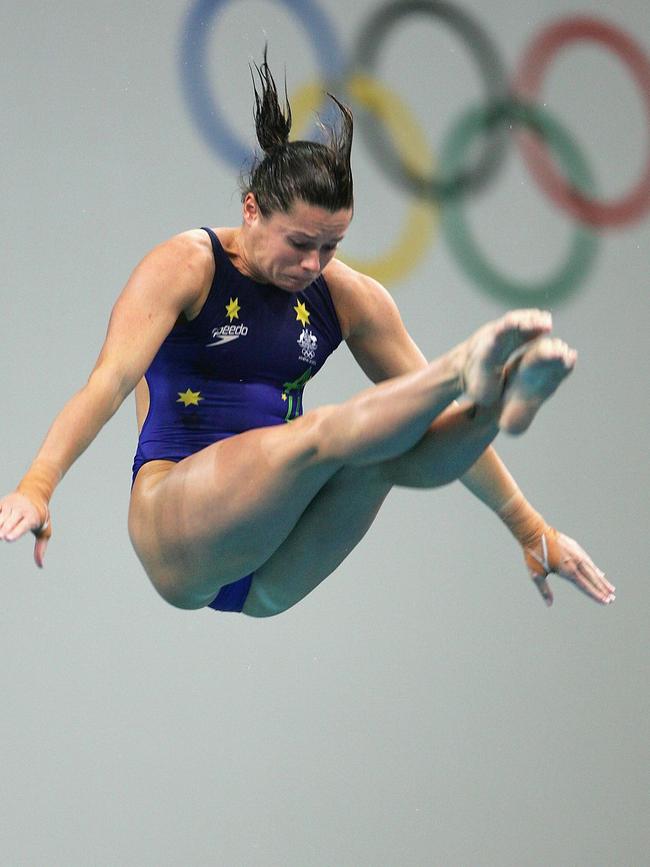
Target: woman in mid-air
x=239 y=501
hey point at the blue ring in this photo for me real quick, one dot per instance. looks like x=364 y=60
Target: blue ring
x=194 y=69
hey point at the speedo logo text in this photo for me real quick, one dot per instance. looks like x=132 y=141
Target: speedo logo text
x=226 y=333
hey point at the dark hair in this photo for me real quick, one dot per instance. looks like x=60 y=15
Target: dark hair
x=317 y=173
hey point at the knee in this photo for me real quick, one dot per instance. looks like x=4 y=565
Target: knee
x=331 y=433
x=178 y=596
x=319 y=427
x=179 y=599
x=324 y=436
x=265 y=601
x=254 y=609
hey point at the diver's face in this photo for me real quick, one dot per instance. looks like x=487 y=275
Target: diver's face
x=290 y=249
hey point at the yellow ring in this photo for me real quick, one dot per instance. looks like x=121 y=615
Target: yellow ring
x=423 y=216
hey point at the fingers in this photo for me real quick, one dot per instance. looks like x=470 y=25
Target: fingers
x=544 y=589
x=587 y=578
x=39 y=550
x=12 y=523
x=593 y=582
x=18 y=516
x=21 y=527
x=580 y=569
x=570 y=561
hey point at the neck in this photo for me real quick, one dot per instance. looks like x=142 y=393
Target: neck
x=245 y=258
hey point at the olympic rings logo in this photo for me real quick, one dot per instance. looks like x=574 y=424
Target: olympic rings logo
x=395 y=140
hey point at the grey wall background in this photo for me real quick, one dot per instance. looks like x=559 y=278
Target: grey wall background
x=422 y=707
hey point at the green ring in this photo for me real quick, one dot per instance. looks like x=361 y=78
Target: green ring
x=569 y=276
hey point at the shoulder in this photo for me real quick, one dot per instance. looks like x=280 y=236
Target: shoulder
x=189 y=252
x=182 y=265
x=371 y=324
x=360 y=301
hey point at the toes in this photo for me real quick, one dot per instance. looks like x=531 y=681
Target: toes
x=531 y=321
x=514 y=330
x=539 y=372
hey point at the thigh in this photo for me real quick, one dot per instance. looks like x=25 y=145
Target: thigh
x=222 y=512
x=330 y=527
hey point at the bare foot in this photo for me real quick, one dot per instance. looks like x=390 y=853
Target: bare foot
x=532 y=380
x=488 y=350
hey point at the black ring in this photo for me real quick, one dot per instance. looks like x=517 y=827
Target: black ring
x=492 y=70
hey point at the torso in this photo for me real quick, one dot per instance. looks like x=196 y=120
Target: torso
x=341 y=280
x=238 y=358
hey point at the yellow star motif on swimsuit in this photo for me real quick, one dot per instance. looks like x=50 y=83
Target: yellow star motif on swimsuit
x=302 y=314
x=232 y=309
x=189 y=397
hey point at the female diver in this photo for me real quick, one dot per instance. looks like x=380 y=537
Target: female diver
x=239 y=501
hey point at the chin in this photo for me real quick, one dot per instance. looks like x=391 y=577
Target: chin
x=294 y=284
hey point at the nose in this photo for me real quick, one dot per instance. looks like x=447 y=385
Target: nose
x=311 y=262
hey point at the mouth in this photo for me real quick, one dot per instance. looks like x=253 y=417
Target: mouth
x=299 y=281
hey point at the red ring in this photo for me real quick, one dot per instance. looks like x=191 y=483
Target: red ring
x=537 y=156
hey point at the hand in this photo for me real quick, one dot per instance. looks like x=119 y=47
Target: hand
x=18 y=515
x=555 y=552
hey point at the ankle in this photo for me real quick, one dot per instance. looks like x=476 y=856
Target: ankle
x=455 y=362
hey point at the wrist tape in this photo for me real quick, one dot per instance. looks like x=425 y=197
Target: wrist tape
x=536 y=537
x=38 y=485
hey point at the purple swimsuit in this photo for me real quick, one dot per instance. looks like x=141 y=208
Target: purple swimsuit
x=242 y=363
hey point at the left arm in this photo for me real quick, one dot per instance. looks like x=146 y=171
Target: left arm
x=545 y=549
x=379 y=341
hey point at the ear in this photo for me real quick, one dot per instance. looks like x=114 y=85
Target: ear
x=250 y=209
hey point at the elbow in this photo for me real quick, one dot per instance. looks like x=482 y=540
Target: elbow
x=111 y=384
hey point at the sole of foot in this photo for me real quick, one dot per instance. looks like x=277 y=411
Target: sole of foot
x=537 y=374
x=489 y=349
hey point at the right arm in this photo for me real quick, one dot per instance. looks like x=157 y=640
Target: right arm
x=171 y=279
x=374 y=331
